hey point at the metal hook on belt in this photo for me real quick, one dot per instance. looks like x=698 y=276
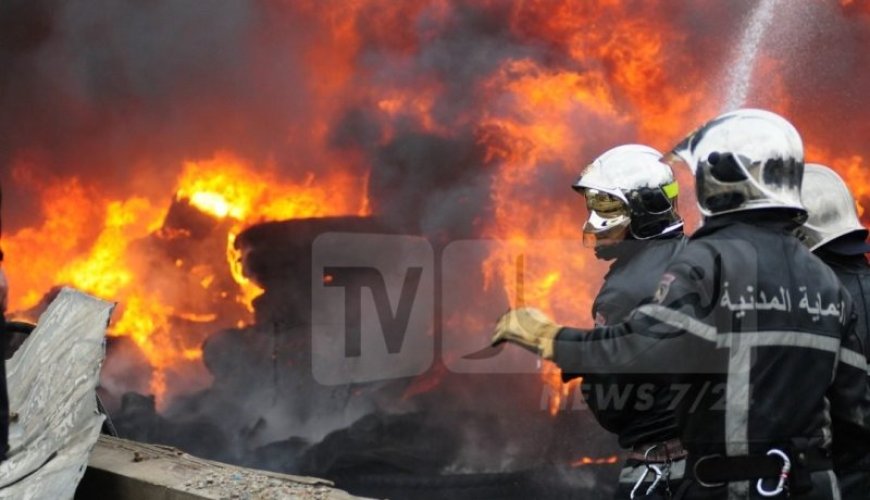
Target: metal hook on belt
x=661 y=472
x=658 y=477
x=783 y=475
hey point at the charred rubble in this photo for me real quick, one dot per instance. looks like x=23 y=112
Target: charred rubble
x=443 y=433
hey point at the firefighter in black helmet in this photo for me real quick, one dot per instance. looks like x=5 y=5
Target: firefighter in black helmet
x=758 y=331
x=631 y=199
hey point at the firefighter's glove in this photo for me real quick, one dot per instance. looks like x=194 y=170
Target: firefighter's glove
x=528 y=328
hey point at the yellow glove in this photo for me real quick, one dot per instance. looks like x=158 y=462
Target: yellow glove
x=529 y=328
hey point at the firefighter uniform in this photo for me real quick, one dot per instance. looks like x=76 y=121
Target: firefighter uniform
x=631 y=199
x=852 y=453
x=835 y=234
x=635 y=408
x=753 y=333
x=756 y=377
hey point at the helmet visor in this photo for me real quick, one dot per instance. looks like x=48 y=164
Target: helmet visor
x=604 y=204
x=608 y=221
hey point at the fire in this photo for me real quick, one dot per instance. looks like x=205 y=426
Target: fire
x=625 y=60
x=64 y=230
x=540 y=137
x=159 y=317
x=102 y=270
x=225 y=188
x=558 y=392
x=852 y=168
x=538 y=87
x=595 y=461
x=861 y=6
x=228 y=188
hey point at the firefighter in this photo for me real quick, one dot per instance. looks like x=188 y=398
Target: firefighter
x=757 y=334
x=631 y=200
x=835 y=234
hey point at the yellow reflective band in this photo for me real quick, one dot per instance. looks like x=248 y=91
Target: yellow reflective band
x=671 y=190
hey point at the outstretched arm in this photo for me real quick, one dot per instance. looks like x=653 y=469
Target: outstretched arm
x=665 y=333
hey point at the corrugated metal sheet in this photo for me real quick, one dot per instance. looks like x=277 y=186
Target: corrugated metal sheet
x=52 y=379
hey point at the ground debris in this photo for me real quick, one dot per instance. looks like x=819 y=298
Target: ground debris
x=246 y=485
x=166 y=472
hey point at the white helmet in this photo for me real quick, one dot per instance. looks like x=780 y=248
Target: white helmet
x=748 y=159
x=628 y=190
x=831 y=208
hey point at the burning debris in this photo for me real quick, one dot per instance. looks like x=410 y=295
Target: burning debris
x=264 y=409
x=182 y=160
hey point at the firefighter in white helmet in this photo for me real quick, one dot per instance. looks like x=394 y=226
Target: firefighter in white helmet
x=835 y=234
x=631 y=199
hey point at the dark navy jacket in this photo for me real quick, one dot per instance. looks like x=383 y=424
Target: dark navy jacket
x=755 y=335
x=852 y=453
x=634 y=408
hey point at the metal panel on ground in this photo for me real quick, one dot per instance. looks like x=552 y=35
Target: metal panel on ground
x=52 y=381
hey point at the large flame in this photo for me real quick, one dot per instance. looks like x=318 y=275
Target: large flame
x=225 y=188
x=547 y=85
x=543 y=128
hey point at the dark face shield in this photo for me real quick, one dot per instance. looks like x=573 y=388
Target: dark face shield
x=654 y=210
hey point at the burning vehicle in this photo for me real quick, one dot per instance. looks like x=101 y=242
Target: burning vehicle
x=216 y=170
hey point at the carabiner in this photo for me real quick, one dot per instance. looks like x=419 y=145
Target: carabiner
x=657 y=480
x=783 y=475
x=658 y=477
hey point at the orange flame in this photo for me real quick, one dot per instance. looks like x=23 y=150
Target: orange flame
x=615 y=67
x=543 y=128
x=595 y=461
x=88 y=242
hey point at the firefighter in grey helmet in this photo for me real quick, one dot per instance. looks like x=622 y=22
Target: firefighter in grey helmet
x=758 y=331
x=631 y=200
x=835 y=234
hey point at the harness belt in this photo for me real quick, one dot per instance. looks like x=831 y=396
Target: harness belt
x=665 y=451
x=656 y=464
x=716 y=470
x=633 y=473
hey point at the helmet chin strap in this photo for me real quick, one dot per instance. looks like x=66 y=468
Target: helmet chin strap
x=616 y=250
x=629 y=246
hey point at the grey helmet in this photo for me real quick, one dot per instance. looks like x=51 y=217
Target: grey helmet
x=831 y=207
x=748 y=159
x=628 y=189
